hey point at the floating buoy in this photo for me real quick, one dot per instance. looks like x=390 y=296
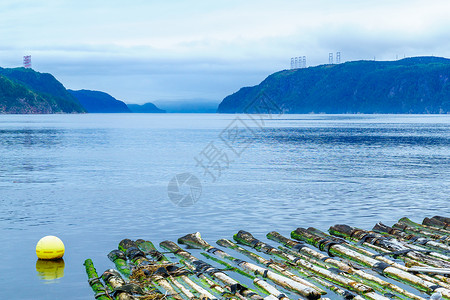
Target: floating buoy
x=50 y=247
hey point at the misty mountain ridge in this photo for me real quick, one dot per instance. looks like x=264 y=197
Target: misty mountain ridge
x=197 y=105
x=415 y=85
x=145 y=108
x=99 y=102
x=25 y=91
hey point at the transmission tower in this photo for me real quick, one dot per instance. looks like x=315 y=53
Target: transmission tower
x=27 y=61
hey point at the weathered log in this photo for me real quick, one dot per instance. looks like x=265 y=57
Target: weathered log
x=97 y=286
x=344 y=293
x=403 y=236
x=211 y=284
x=120 y=260
x=242 y=236
x=148 y=248
x=438 y=237
x=430 y=270
x=205 y=267
x=336 y=249
x=116 y=283
x=437 y=280
x=435 y=223
x=432 y=229
x=138 y=258
x=300 y=247
x=269 y=289
x=249 y=275
x=248 y=239
x=397 y=247
x=195 y=240
x=442 y=219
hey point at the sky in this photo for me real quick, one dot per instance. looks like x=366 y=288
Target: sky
x=145 y=50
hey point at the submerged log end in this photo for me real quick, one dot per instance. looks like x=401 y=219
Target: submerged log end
x=341 y=230
x=116 y=254
x=380 y=227
x=405 y=220
x=193 y=240
x=225 y=243
x=273 y=234
x=299 y=233
x=125 y=244
x=442 y=219
x=243 y=237
x=433 y=222
x=169 y=245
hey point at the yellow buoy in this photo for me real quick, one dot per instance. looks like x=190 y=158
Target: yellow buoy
x=50 y=247
x=50 y=269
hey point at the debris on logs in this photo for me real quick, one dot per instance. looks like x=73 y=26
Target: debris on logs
x=407 y=260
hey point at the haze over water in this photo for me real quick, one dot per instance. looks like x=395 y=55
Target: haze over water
x=94 y=180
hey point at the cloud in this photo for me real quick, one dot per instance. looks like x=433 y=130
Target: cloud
x=143 y=50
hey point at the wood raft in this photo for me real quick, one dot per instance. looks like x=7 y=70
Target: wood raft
x=405 y=261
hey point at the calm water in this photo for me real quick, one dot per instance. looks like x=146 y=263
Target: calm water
x=93 y=180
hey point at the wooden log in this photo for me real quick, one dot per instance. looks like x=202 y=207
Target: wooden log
x=371 y=238
x=436 y=223
x=262 y=247
x=249 y=275
x=138 y=258
x=432 y=229
x=209 y=283
x=299 y=247
x=148 y=248
x=233 y=285
x=115 y=282
x=344 y=293
x=120 y=260
x=405 y=230
x=247 y=239
x=270 y=289
x=430 y=270
x=403 y=236
x=438 y=237
x=97 y=286
x=300 y=261
x=195 y=240
x=336 y=249
x=437 y=280
x=442 y=219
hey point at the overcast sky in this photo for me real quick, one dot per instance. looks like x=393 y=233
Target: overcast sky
x=145 y=50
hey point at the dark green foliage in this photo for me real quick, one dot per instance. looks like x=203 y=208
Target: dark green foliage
x=412 y=85
x=99 y=102
x=26 y=91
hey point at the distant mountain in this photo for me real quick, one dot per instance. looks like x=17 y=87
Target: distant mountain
x=99 y=102
x=412 y=85
x=145 y=108
x=25 y=91
x=188 y=106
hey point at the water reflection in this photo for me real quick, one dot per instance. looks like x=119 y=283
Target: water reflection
x=50 y=270
x=31 y=138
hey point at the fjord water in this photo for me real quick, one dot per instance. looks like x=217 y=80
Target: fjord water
x=94 y=179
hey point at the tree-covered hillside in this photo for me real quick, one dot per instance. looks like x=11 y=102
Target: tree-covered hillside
x=412 y=85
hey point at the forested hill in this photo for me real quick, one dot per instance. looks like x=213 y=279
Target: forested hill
x=25 y=91
x=99 y=102
x=412 y=85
